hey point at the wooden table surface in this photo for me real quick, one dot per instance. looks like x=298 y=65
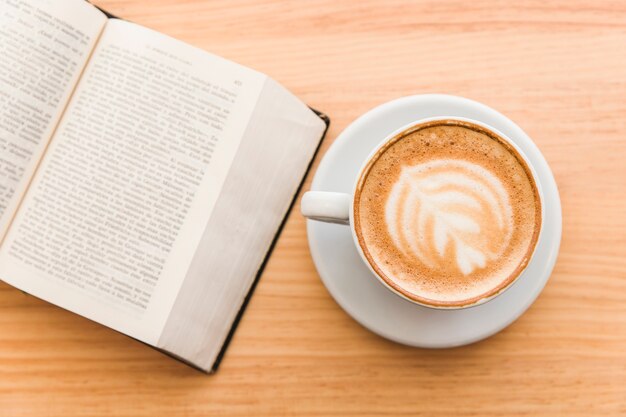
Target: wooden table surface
x=556 y=68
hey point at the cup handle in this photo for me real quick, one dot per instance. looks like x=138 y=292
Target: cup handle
x=326 y=206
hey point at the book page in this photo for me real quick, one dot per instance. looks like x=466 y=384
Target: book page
x=273 y=158
x=113 y=217
x=44 y=46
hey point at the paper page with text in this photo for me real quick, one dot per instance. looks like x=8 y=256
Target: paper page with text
x=114 y=215
x=44 y=46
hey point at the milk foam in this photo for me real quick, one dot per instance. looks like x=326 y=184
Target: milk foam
x=449 y=213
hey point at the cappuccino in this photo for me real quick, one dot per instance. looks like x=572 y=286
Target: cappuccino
x=447 y=213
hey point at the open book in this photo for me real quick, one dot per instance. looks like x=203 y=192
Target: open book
x=142 y=180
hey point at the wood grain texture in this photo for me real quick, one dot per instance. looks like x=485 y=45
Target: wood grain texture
x=557 y=68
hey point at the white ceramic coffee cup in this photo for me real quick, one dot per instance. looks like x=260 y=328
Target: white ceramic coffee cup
x=338 y=208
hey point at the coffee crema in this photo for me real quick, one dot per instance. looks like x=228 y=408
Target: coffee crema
x=447 y=213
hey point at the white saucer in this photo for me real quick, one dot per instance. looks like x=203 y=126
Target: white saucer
x=360 y=294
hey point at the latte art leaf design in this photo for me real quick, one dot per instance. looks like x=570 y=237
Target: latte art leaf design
x=449 y=214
